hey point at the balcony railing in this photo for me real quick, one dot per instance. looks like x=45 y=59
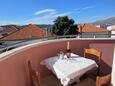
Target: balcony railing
x=79 y=36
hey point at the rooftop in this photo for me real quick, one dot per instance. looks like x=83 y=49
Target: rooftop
x=28 y=32
x=8 y=29
x=90 y=28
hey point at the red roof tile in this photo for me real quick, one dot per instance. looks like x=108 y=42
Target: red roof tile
x=28 y=32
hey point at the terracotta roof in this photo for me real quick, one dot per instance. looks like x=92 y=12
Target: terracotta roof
x=9 y=29
x=28 y=32
x=90 y=28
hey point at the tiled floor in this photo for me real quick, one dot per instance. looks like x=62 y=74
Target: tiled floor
x=86 y=82
x=53 y=81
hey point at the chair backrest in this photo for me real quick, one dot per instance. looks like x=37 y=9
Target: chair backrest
x=93 y=52
x=103 y=80
x=34 y=76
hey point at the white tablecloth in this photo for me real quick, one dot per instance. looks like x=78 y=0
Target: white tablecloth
x=69 y=68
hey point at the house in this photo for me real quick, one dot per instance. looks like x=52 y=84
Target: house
x=112 y=29
x=28 y=32
x=6 y=30
x=91 y=31
x=113 y=33
x=98 y=26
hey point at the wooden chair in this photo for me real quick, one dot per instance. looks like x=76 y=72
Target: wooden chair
x=92 y=51
x=36 y=80
x=100 y=81
x=34 y=76
x=96 y=53
x=104 y=80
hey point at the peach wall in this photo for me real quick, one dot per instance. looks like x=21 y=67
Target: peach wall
x=107 y=51
x=14 y=71
x=107 y=54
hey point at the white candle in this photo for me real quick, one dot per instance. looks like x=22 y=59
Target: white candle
x=68 y=45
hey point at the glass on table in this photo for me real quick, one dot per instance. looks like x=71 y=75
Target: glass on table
x=60 y=55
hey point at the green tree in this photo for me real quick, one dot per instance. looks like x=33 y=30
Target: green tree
x=61 y=25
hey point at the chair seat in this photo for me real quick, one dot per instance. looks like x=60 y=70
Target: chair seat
x=86 y=82
x=51 y=80
x=105 y=80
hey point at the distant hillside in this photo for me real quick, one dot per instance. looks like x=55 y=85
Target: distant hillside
x=9 y=26
x=108 y=21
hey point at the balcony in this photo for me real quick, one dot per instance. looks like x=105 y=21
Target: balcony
x=13 y=63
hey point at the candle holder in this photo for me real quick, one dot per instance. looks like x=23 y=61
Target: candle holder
x=68 y=53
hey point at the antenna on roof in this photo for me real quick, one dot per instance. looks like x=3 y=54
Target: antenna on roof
x=46 y=31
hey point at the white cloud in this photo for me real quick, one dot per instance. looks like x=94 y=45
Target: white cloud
x=83 y=8
x=46 y=19
x=46 y=16
x=86 y=8
x=40 y=20
x=51 y=11
x=63 y=14
x=49 y=15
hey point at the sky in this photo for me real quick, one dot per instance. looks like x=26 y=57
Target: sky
x=22 y=12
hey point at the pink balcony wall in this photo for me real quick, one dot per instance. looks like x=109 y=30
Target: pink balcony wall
x=14 y=70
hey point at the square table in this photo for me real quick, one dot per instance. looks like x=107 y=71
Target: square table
x=69 y=69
